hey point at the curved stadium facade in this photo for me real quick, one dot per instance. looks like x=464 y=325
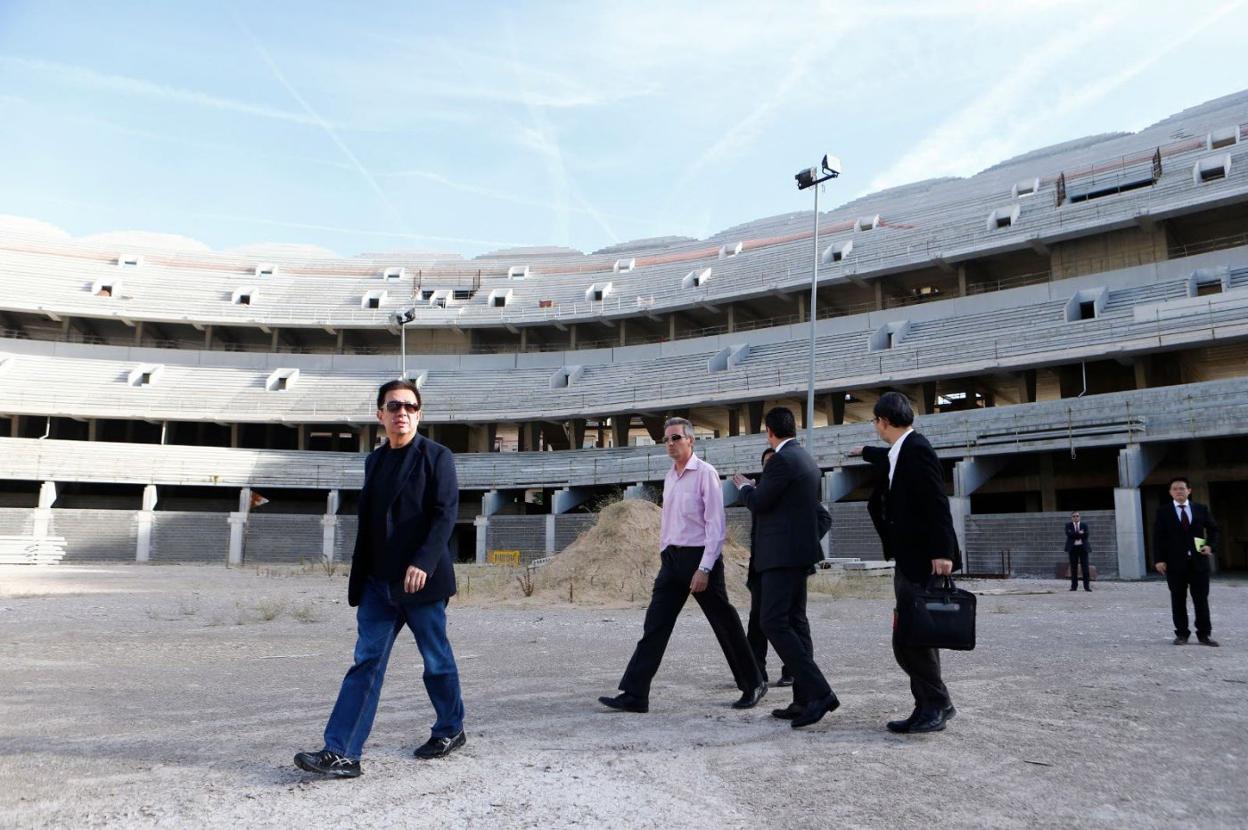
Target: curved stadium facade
x=1072 y=326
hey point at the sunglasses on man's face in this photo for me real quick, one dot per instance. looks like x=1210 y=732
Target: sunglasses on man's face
x=409 y=406
x=672 y=439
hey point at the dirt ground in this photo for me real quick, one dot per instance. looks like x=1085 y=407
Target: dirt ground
x=176 y=696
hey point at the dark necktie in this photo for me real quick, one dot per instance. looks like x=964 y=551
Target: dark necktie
x=1183 y=520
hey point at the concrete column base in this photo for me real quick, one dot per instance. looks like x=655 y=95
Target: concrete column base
x=238 y=526
x=482 y=525
x=143 y=546
x=1129 y=527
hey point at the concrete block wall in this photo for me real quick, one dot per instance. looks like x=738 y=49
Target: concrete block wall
x=189 y=536
x=739 y=520
x=95 y=535
x=570 y=525
x=1036 y=542
x=852 y=533
x=526 y=534
x=282 y=538
x=17 y=521
x=344 y=538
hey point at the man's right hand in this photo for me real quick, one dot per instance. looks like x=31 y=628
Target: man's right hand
x=854 y=452
x=1161 y=568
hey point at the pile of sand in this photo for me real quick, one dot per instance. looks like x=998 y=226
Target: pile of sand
x=615 y=561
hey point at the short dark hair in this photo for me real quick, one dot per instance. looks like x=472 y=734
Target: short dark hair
x=767 y=452
x=1183 y=479
x=391 y=385
x=779 y=419
x=895 y=408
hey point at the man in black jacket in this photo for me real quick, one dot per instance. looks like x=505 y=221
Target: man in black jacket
x=401 y=573
x=1078 y=547
x=1184 y=534
x=785 y=505
x=911 y=513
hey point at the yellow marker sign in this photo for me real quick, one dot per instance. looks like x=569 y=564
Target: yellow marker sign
x=503 y=557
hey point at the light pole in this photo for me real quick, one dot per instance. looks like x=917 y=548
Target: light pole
x=403 y=317
x=829 y=168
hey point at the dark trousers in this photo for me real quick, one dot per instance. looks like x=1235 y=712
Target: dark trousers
x=1079 y=556
x=921 y=665
x=783 y=598
x=754 y=630
x=1184 y=577
x=671 y=589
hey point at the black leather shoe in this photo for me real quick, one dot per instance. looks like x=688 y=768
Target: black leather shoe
x=1087 y=588
x=1180 y=641
x=815 y=710
x=1207 y=641
x=441 y=747
x=928 y=722
x=789 y=712
x=904 y=726
x=625 y=702
x=751 y=698
x=328 y=763
x=901 y=727
x=1074 y=588
x=785 y=680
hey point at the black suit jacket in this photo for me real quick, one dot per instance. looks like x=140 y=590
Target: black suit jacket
x=912 y=515
x=785 y=506
x=419 y=524
x=1071 y=536
x=1172 y=544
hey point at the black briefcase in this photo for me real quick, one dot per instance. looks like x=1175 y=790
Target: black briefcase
x=941 y=615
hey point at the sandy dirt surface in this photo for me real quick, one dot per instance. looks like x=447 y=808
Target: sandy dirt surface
x=176 y=696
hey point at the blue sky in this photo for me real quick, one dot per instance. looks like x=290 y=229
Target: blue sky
x=473 y=126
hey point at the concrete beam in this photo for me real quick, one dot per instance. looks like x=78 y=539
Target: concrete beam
x=492 y=502
x=970 y=474
x=569 y=498
x=840 y=482
x=1136 y=462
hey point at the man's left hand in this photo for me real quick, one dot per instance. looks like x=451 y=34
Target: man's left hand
x=414 y=580
x=741 y=481
x=700 y=580
x=1207 y=551
x=942 y=567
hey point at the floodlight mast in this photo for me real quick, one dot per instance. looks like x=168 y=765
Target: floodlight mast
x=829 y=168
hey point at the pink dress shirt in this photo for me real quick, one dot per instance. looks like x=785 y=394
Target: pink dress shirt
x=693 y=510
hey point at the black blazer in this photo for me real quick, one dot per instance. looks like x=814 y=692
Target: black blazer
x=825 y=524
x=785 y=505
x=1172 y=544
x=419 y=524
x=1071 y=536
x=912 y=516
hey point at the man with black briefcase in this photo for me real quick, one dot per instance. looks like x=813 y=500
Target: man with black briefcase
x=911 y=513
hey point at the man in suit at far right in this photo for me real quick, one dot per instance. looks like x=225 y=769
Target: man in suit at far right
x=911 y=513
x=1183 y=538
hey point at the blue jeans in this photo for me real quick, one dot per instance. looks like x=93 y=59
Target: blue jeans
x=380 y=619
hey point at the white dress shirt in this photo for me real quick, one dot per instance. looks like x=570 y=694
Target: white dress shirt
x=1179 y=509
x=893 y=452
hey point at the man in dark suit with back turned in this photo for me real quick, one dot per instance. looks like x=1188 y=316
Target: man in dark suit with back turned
x=1180 y=522
x=785 y=505
x=911 y=513
x=1078 y=548
x=401 y=573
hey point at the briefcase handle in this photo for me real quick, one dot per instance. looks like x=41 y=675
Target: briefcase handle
x=944 y=582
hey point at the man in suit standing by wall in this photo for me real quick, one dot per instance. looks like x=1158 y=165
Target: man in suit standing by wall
x=401 y=573
x=911 y=513
x=1186 y=566
x=692 y=531
x=785 y=505
x=1078 y=548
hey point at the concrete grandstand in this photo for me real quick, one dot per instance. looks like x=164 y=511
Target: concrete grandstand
x=1072 y=325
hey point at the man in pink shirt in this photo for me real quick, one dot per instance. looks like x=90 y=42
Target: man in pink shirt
x=691 y=538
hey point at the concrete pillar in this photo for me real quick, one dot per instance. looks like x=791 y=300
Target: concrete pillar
x=879 y=295
x=841 y=481
x=732 y=496
x=801 y=308
x=961 y=280
x=756 y=416
x=207 y=338
x=1134 y=464
x=623 y=327
x=138 y=332
x=732 y=318
x=635 y=491
x=149 y=497
x=481 y=524
x=572 y=336
x=734 y=422
x=619 y=429
x=238 y=526
x=301 y=436
x=92 y=429
x=144 y=520
x=235 y=429
x=47 y=495
x=329 y=529
x=340 y=344
x=364 y=435
x=244 y=500
x=524 y=340
x=671 y=326
x=275 y=340
x=969 y=475
x=550 y=534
